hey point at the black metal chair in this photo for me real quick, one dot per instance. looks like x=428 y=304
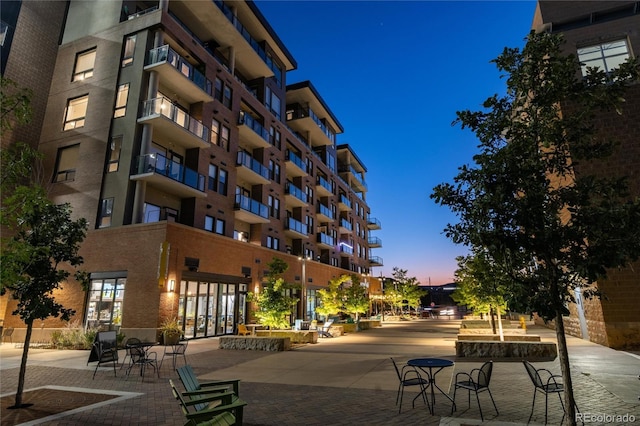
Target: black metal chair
x=409 y=377
x=139 y=356
x=174 y=351
x=130 y=341
x=477 y=380
x=548 y=384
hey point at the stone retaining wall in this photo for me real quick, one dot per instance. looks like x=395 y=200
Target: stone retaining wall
x=507 y=337
x=296 y=336
x=485 y=331
x=506 y=351
x=255 y=343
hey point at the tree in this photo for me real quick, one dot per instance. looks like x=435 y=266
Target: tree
x=409 y=293
x=331 y=297
x=356 y=298
x=274 y=303
x=528 y=201
x=41 y=247
x=481 y=285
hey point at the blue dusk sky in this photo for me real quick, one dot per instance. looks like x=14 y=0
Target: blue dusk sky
x=394 y=73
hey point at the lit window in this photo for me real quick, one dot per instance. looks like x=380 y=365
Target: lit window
x=84 y=65
x=114 y=154
x=215 y=131
x=129 y=48
x=105 y=302
x=121 y=100
x=224 y=138
x=66 y=163
x=76 y=112
x=106 y=212
x=606 y=56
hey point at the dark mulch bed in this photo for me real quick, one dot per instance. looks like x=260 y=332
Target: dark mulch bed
x=46 y=402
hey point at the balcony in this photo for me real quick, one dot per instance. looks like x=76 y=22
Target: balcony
x=374 y=242
x=295 y=229
x=251 y=170
x=294 y=196
x=169 y=176
x=345 y=249
x=375 y=261
x=373 y=223
x=174 y=124
x=295 y=166
x=355 y=178
x=345 y=226
x=325 y=241
x=324 y=214
x=323 y=187
x=249 y=210
x=252 y=133
x=216 y=21
x=344 y=204
x=303 y=120
x=178 y=75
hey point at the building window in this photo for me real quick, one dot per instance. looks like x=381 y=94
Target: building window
x=227 y=95
x=129 y=48
x=274 y=207
x=104 y=309
x=121 y=100
x=273 y=243
x=208 y=223
x=76 y=112
x=215 y=132
x=309 y=223
x=106 y=212
x=66 y=163
x=84 y=65
x=151 y=213
x=219 y=228
x=606 y=56
x=217 y=179
x=115 y=147
x=4 y=30
x=218 y=89
x=224 y=137
x=274 y=171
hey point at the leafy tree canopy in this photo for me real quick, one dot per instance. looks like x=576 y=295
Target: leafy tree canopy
x=274 y=302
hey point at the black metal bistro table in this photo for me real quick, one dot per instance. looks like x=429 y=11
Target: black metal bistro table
x=432 y=363
x=142 y=357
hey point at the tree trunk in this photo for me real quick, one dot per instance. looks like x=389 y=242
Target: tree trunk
x=563 y=353
x=23 y=367
x=500 y=323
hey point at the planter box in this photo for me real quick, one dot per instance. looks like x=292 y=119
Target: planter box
x=486 y=331
x=506 y=351
x=255 y=343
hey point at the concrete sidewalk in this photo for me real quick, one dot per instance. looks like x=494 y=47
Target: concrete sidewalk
x=339 y=381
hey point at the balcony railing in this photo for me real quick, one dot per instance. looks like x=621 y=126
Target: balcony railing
x=374 y=242
x=324 y=183
x=324 y=210
x=167 y=54
x=346 y=248
x=344 y=200
x=293 y=157
x=375 y=261
x=245 y=203
x=157 y=163
x=244 y=159
x=344 y=223
x=323 y=238
x=251 y=123
x=298 y=111
x=163 y=106
x=373 y=223
x=295 y=225
x=291 y=189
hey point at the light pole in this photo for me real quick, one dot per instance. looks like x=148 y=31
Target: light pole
x=303 y=296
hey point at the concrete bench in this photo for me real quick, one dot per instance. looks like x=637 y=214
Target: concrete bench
x=507 y=337
x=255 y=343
x=506 y=351
x=296 y=336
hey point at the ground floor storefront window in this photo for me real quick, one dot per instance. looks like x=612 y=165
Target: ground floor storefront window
x=104 y=309
x=210 y=308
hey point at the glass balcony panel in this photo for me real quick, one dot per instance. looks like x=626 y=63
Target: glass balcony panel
x=245 y=203
x=157 y=163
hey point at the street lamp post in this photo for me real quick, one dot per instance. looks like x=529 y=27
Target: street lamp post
x=303 y=296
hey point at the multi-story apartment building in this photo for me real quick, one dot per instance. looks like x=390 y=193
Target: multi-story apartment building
x=605 y=34
x=171 y=127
